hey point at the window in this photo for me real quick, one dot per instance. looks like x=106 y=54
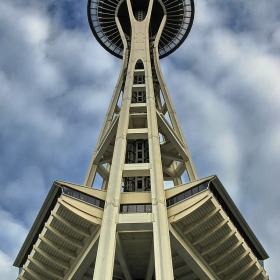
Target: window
x=139 y=184
x=131 y=208
x=141 y=208
x=136 y=208
x=82 y=196
x=181 y=196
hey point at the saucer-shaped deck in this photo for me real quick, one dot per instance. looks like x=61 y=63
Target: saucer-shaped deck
x=102 y=13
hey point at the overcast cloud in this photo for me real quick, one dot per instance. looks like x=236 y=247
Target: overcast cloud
x=56 y=82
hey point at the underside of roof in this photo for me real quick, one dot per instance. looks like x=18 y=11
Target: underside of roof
x=207 y=241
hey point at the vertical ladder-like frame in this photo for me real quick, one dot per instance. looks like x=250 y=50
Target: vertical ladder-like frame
x=153 y=109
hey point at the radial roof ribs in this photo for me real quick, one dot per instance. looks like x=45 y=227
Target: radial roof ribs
x=101 y=16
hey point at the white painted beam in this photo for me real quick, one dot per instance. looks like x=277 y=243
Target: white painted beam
x=50 y=270
x=68 y=253
x=103 y=172
x=151 y=265
x=255 y=274
x=136 y=169
x=137 y=133
x=222 y=268
x=51 y=258
x=34 y=274
x=224 y=253
x=240 y=271
x=123 y=259
x=79 y=229
x=171 y=156
x=67 y=238
x=190 y=256
x=217 y=243
x=172 y=137
x=86 y=256
x=194 y=225
x=205 y=234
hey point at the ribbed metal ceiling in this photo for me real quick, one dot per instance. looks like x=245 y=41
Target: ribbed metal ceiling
x=101 y=16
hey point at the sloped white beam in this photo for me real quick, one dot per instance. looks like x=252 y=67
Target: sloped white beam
x=194 y=225
x=79 y=229
x=255 y=274
x=103 y=172
x=171 y=156
x=202 y=236
x=223 y=254
x=178 y=145
x=68 y=253
x=106 y=159
x=226 y=266
x=50 y=270
x=34 y=274
x=51 y=258
x=151 y=265
x=67 y=238
x=105 y=141
x=85 y=259
x=122 y=259
x=186 y=251
x=180 y=169
x=217 y=243
x=240 y=271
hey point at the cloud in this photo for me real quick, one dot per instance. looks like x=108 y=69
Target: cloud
x=6 y=270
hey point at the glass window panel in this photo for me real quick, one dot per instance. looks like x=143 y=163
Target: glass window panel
x=139 y=184
x=102 y=203
x=148 y=208
x=195 y=190
x=188 y=193
x=181 y=197
x=76 y=194
x=97 y=202
x=203 y=186
x=91 y=200
x=124 y=208
x=132 y=208
x=83 y=197
x=140 y=208
x=67 y=191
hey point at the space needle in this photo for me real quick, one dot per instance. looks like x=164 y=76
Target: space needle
x=124 y=222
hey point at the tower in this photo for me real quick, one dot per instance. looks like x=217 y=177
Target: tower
x=130 y=226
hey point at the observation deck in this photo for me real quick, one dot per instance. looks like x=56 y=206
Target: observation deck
x=179 y=19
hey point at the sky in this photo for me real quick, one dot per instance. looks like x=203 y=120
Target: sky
x=56 y=82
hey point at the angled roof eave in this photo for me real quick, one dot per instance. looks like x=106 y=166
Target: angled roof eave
x=40 y=219
x=234 y=210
